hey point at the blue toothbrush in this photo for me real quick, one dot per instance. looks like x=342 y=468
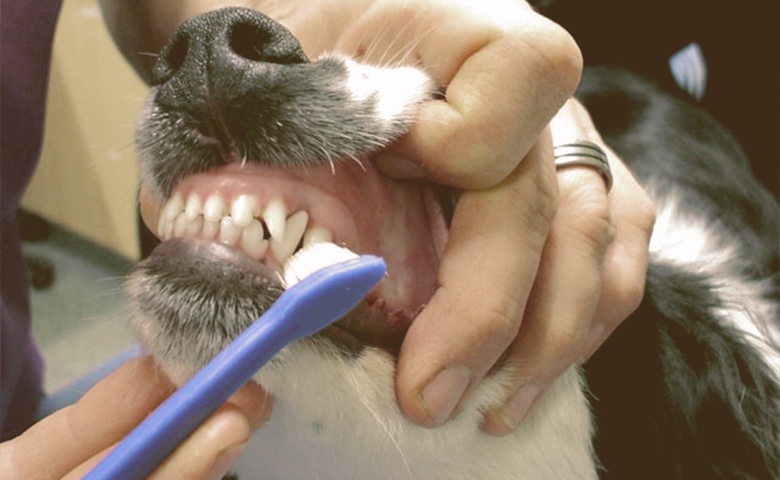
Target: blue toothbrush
x=303 y=309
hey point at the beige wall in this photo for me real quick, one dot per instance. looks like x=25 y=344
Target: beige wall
x=86 y=180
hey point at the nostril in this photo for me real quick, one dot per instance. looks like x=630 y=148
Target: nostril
x=171 y=60
x=262 y=40
x=178 y=54
x=248 y=41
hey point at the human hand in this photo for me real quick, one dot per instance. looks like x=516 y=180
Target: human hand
x=538 y=270
x=520 y=235
x=68 y=443
x=591 y=274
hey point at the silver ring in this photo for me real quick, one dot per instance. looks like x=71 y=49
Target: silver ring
x=584 y=154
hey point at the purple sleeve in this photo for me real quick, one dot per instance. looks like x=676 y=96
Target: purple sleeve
x=25 y=42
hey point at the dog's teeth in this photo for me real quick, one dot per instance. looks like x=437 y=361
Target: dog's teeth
x=210 y=229
x=244 y=209
x=214 y=209
x=252 y=240
x=317 y=235
x=229 y=233
x=169 y=214
x=175 y=205
x=194 y=226
x=194 y=207
x=164 y=227
x=180 y=225
x=296 y=226
x=275 y=216
x=237 y=224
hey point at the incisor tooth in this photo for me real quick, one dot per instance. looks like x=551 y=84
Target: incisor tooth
x=194 y=206
x=275 y=216
x=214 y=208
x=244 y=209
x=210 y=230
x=229 y=233
x=296 y=225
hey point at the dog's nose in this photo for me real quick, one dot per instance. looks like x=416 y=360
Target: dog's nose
x=220 y=55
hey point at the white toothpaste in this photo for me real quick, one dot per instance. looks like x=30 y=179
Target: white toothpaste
x=312 y=258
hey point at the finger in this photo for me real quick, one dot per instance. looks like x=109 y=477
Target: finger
x=557 y=320
x=625 y=263
x=591 y=278
x=105 y=414
x=505 y=71
x=492 y=255
x=633 y=216
x=214 y=446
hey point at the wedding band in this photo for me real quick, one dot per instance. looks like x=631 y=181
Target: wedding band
x=584 y=154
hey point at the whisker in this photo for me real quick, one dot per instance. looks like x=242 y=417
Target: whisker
x=382 y=425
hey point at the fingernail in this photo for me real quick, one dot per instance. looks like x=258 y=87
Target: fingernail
x=226 y=459
x=398 y=167
x=440 y=397
x=518 y=405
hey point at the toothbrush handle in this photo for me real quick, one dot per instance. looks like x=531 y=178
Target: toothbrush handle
x=304 y=309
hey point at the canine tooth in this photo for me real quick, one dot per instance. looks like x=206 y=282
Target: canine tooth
x=296 y=225
x=229 y=233
x=214 y=208
x=244 y=209
x=317 y=235
x=252 y=240
x=194 y=206
x=275 y=215
x=210 y=229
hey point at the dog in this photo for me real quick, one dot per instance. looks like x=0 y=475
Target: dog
x=258 y=153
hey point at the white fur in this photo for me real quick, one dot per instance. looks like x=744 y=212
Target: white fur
x=396 y=90
x=337 y=418
x=684 y=239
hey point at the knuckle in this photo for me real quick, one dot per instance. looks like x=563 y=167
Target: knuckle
x=566 y=341
x=629 y=296
x=558 y=57
x=474 y=158
x=633 y=296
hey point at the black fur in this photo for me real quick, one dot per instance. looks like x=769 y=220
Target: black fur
x=677 y=394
